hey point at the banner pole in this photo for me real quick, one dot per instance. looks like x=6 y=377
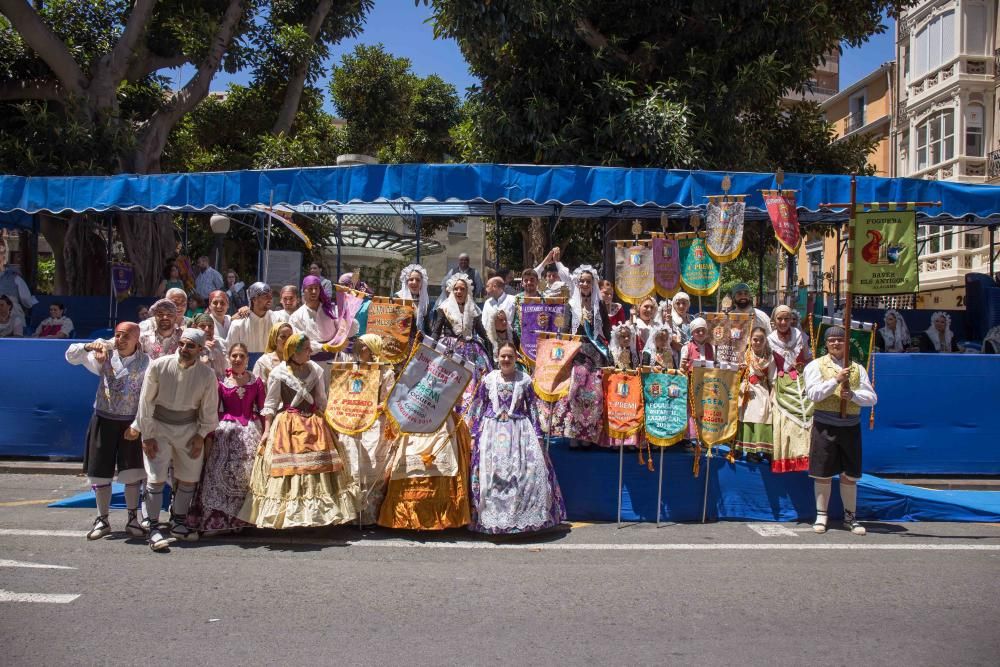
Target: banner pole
x=708 y=468
x=659 y=493
x=850 y=278
x=621 y=468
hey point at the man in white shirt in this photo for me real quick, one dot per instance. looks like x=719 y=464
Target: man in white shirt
x=13 y=285
x=289 y=299
x=161 y=338
x=177 y=297
x=835 y=444
x=208 y=279
x=253 y=329
x=497 y=299
x=178 y=408
x=56 y=325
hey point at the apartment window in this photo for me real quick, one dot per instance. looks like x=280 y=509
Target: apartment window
x=947 y=237
x=973 y=240
x=459 y=227
x=935 y=43
x=974 y=143
x=975 y=28
x=936 y=139
x=856 y=111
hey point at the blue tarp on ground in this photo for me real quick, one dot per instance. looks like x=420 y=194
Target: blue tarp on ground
x=430 y=184
x=936 y=412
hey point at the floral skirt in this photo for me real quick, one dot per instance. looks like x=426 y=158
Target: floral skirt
x=225 y=478
x=514 y=488
x=580 y=414
x=299 y=500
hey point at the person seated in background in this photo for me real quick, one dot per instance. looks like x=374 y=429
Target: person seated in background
x=290 y=302
x=894 y=336
x=11 y=323
x=56 y=325
x=616 y=312
x=938 y=337
x=235 y=291
x=171 y=280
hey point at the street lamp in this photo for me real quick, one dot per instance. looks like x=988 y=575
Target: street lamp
x=220 y=227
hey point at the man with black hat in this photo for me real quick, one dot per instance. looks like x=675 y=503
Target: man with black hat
x=178 y=408
x=835 y=445
x=742 y=303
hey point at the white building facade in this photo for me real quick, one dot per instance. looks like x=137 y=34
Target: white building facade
x=945 y=126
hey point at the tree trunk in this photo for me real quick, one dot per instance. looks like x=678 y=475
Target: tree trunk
x=85 y=254
x=297 y=78
x=149 y=240
x=538 y=240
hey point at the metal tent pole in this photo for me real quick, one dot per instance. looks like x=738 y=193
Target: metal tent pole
x=111 y=277
x=659 y=493
x=416 y=226
x=340 y=241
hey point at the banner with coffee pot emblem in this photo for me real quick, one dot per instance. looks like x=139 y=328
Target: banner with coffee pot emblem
x=884 y=253
x=352 y=404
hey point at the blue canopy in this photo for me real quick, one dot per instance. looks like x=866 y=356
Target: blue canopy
x=480 y=189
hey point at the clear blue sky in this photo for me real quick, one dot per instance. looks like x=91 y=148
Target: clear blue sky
x=403 y=28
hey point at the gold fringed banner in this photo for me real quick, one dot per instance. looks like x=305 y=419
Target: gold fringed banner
x=665 y=404
x=391 y=319
x=699 y=272
x=729 y=334
x=352 y=404
x=554 y=365
x=724 y=224
x=623 y=403
x=634 y=271
x=715 y=402
x=784 y=218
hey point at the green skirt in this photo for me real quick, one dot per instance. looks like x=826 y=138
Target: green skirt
x=753 y=438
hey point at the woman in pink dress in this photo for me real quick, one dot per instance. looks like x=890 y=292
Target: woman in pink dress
x=229 y=458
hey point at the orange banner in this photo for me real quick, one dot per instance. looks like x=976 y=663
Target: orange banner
x=554 y=365
x=392 y=320
x=623 y=402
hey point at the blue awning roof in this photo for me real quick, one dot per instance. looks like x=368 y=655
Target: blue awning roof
x=479 y=189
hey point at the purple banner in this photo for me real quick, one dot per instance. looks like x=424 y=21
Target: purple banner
x=121 y=278
x=539 y=314
x=666 y=265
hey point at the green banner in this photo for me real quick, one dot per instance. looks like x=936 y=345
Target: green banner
x=699 y=272
x=861 y=342
x=885 y=253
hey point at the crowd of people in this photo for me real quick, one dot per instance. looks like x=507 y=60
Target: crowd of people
x=178 y=401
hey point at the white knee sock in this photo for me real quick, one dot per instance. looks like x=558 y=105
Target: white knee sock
x=103 y=494
x=182 y=498
x=154 y=501
x=132 y=496
x=849 y=494
x=821 y=487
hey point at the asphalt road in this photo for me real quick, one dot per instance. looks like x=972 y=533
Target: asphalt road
x=719 y=594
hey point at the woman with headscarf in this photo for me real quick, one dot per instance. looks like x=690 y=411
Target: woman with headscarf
x=680 y=306
x=894 y=336
x=298 y=478
x=413 y=285
x=659 y=352
x=272 y=351
x=579 y=415
x=755 y=436
x=792 y=417
x=938 y=337
x=229 y=454
x=514 y=487
x=458 y=327
x=213 y=354
x=368 y=452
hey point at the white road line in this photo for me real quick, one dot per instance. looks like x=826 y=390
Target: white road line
x=51 y=598
x=771 y=530
x=858 y=544
x=38 y=566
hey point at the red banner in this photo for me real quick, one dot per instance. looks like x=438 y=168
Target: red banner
x=784 y=218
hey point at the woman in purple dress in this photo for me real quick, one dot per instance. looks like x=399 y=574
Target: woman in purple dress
x=514 y=488
x=225 y=478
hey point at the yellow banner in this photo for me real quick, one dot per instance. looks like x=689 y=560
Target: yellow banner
x=352 y=405
x=392 y=320
x=634 y=271
x=715 y=403
x=554 y=365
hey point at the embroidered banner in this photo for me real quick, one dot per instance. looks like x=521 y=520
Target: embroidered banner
x=666 y=265
x=121 y=279
x=428 y=389
x=884 y=253
x=729 y=334
x=352 y=404
x=715 y=402
x=540 y=314
x=724 y=225
x=348 y=304
x=622 y=402
x=784 y=218
x=699 y=272
x=392 y=320
x=634 y=271
x=554 y=365
x=665 y=400
x=862 y=339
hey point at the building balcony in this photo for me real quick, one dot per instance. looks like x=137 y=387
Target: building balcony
x=962 y=68
x=962 y=168
x=993 y=166
x=855 y=121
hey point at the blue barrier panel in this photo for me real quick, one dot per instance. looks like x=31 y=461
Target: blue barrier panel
x=937 y=414
x=46 y=403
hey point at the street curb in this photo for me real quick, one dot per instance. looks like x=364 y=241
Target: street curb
x=41 y=468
